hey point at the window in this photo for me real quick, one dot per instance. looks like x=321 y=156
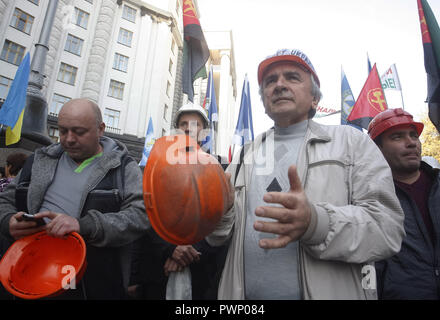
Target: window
x=165 y=112
x=90 y=1
x=164 y=132
x=111 y=118
x=5 y=83
x=173 y=45
x=168 y=88
x=67 y=73
x=57 y=102
x=125 y=37
x=81 y=18
x=129 y=13
x=22 y=21
x=120 y=62
x=34 y=1
x=116 y=89
x=12 y=52
x=54 y=133
x=170 y=66
x=74 y=44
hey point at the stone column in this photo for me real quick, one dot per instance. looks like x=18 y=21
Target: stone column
x=3 y=7
x=64 y=8
x=98 y=53
x=222 y=142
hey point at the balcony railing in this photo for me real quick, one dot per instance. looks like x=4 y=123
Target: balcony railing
x=112 y=130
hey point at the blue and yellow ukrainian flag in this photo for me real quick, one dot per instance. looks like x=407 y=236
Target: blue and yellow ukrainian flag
x=12 y=110
x=149 y=142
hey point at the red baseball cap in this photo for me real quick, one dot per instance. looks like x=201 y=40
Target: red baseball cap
x=293 y=55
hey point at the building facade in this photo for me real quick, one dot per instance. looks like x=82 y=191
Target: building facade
x=126 y=55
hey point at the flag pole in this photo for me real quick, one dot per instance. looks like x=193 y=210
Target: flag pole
x=35 y=115
x=400 y=85
x=401 y=96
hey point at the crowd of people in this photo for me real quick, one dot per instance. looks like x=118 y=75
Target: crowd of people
x=313 y=205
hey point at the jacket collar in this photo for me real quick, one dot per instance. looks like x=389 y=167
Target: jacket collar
x=433 y=172
x=316 y=132
x=56 y=150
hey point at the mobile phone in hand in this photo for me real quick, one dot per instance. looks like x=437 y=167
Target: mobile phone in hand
x=31 y=217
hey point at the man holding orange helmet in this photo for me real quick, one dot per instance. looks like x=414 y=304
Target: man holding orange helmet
x=203 y=261
x=414 y=272
x=322 y=196
x=87 y=184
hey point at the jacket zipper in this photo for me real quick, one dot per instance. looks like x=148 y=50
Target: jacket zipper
x=299 y=249
x=435 y=245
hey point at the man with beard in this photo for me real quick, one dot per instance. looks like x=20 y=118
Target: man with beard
x=413 y=273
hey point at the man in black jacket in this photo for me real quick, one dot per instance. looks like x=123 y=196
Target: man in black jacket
x=413 y=273
x=155 y=259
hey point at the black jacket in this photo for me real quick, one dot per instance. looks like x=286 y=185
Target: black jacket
x=151 y=252
x=414 y=273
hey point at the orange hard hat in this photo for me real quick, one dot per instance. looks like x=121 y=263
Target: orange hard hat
x=185 y=190
x=39 y=265
x=391 y=118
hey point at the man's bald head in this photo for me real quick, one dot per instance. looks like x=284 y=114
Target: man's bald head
x=84 y=106
x=81 y=127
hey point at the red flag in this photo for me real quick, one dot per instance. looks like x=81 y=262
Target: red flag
x=370 y=102
x=195 y=49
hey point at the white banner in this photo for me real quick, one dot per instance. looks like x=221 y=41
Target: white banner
x=390 y=79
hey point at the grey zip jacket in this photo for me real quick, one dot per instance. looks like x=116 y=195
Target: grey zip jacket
x=113 y=229
x=356 y=216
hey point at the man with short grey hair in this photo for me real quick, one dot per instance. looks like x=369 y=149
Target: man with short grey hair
x=322 y=196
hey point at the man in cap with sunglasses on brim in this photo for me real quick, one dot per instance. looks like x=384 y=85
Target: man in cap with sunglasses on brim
x=414 y=272
x=322 y=196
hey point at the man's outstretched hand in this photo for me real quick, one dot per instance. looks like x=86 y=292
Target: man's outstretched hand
x=291 y=220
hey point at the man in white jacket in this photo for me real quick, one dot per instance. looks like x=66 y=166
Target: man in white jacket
x=314 y=205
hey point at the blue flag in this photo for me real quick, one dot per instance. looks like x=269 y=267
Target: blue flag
x=245 y=130
x=149 y=142
x=15 y=101
x=369 y=64
x=347 y=100
x=210 y=104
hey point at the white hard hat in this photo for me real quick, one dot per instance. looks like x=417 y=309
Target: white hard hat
x=193 y=108
x=433 y=162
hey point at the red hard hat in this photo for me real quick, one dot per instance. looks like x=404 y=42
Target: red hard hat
x=185 y=190
x=35 y=266
x=391 y=118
